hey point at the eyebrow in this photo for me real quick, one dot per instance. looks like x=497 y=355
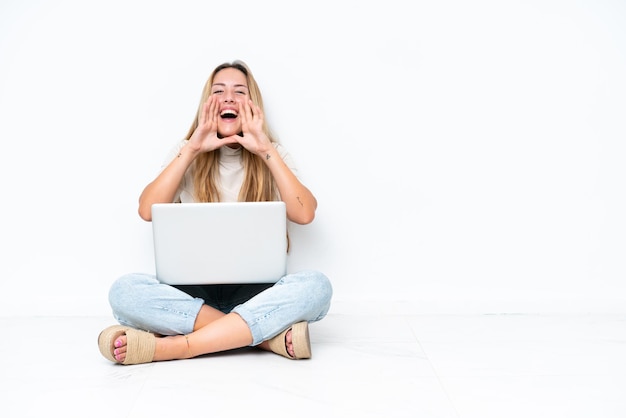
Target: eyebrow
x=236 y=85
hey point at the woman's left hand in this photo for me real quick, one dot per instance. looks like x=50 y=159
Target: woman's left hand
x=254 y=139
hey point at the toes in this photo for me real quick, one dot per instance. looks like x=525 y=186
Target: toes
x=289 y=344
x=120 y=348
x=120 y=341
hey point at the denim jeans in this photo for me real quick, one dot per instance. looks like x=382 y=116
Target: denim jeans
x=140 y=301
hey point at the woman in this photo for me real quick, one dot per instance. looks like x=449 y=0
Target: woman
x=229 y=154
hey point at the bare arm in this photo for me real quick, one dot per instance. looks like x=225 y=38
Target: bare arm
x=300 y=202
x=163 y=188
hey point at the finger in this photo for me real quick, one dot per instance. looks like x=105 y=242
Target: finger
x=213 y=111
x=233 y=139
x=256 y=110
x=245 y=112
x=202 y=115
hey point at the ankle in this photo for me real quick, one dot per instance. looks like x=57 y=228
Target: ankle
x=173 y=347
x=189 y=355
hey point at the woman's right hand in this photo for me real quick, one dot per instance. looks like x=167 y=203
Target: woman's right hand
x=204 y=138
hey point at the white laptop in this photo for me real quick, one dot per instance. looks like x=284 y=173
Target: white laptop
x=219 y=243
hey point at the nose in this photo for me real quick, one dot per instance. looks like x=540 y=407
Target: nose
x=229 y=99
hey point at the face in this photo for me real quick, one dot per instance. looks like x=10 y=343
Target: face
x=230 y=87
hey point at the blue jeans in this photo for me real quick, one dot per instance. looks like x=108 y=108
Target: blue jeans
x=140 y=301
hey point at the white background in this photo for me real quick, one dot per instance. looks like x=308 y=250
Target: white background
x=467 y=156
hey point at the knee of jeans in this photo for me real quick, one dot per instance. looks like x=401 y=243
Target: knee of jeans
x=319 y=284
x=123 y=291
x=321 y=292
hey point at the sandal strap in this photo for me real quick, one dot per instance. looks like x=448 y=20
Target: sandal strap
x=140 y=345
x=299 y=338
x=278 y=345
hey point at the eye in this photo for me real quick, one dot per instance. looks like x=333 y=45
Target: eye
x=217 y=91
x=241 y=92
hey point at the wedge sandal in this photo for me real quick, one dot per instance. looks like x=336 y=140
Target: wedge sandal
x=140 y=345
x=300 y=340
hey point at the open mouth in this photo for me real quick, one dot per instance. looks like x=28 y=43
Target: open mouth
x=228 y=114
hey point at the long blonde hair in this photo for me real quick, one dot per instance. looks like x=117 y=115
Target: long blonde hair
x=258 y=184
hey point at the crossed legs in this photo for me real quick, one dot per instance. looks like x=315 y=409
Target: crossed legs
x=184 y=326
x=214 y=331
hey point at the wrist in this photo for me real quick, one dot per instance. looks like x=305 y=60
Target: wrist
x=190 y=149
x=269 y=154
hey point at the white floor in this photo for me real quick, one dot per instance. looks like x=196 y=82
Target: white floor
x=465 y=366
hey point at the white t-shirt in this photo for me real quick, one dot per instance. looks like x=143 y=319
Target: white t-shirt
x=231 y=172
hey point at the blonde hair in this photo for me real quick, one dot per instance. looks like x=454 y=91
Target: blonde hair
x=258 y=184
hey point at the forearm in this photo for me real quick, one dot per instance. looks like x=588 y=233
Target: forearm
x=299 y=201
x=163 y=188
